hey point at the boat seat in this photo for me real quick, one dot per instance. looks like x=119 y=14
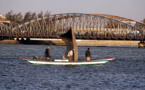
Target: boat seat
x=61 y=60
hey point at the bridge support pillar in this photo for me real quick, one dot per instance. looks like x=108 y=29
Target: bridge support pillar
x=24 y=40
x=28 y=39
x=1 y=38
x=141 y=44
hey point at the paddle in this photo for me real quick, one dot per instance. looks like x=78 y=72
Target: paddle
x=42 y=57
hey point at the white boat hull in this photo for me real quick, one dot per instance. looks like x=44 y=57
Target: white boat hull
x=92 y=62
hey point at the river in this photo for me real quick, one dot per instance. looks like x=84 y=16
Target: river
x=126 y=72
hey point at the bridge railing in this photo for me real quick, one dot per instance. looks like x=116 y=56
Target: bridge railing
x=85 y=35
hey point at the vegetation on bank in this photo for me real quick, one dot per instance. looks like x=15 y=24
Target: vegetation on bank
x=19 y=18
x=143 y=21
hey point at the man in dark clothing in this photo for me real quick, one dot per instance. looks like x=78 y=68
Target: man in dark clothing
x=47 y=54
x=88 y=54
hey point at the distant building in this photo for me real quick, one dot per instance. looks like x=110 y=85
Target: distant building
x=2 y=17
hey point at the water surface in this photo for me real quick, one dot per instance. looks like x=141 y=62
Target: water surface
x=126 y=72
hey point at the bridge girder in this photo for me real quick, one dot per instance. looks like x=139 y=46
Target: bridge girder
x=10 y=24
x=137 y=25
x=81 y=23
x=4 y=30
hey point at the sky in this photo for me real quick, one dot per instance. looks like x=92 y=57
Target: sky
x=132 y=9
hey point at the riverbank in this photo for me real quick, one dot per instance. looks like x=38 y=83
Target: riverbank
x=79 y=42
x=8 y=42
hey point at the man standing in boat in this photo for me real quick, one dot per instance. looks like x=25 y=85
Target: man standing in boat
x=70 y=55
x=88 y=55
x=47 y=54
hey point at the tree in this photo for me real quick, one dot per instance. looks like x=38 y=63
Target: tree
x=14 y=18
x=144 y=21
x=34 y=16
x=19 y=18
x=27 y=17
x=47 y=14
x=40 y=15
x=9 y=15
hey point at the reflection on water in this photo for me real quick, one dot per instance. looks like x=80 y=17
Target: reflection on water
x=127 y=71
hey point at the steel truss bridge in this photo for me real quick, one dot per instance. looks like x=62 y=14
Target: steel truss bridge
x=85 y=26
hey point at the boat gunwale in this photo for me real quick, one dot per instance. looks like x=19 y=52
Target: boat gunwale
x=105 y=59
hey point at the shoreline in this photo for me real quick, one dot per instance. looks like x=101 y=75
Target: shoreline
x=8 y=42
x=99 y=43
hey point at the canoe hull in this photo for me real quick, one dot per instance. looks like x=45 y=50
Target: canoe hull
x=92 y=62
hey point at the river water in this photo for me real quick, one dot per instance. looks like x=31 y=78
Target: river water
x=126 y=72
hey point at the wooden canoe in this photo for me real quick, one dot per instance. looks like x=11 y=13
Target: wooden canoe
x=66 y=62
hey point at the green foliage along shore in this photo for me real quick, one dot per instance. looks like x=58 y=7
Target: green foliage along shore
x=144 y=21
x=19 y=18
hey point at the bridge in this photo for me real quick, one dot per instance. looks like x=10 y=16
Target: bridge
x=85 y=26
